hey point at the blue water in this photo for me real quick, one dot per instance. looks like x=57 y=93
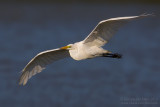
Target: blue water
x=26 y=30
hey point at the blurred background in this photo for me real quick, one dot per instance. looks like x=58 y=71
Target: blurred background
x=30 y=26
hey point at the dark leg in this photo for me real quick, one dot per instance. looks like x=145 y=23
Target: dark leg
x=115 y=55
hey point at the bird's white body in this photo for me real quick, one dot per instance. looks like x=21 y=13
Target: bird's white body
x=80 y=51
x=90 y=47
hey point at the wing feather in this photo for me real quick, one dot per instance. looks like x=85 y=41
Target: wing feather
x=105 y=29
x=39 y=62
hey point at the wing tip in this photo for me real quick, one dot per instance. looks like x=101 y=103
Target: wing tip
x=146 y=14
x=22 y=83
x=27 y=74
x=23 y=78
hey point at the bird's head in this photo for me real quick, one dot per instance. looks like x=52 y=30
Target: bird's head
x=68 y=47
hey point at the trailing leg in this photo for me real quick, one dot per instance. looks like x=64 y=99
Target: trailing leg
x=115 y=55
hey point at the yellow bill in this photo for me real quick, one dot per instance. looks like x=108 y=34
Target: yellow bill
x=65 y=47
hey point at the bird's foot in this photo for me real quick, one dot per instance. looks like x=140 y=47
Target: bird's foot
x=115 y=55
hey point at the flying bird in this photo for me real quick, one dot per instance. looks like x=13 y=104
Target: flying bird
x=90 y=47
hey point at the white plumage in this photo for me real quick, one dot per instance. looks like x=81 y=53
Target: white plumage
x=90 y=47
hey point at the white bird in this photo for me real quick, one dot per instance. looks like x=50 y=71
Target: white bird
x=90 y=47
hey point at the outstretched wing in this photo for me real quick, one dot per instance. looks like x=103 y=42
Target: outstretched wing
x=105 y=29
x=38 y=63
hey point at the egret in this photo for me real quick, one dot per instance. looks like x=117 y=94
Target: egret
x=90 y=47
